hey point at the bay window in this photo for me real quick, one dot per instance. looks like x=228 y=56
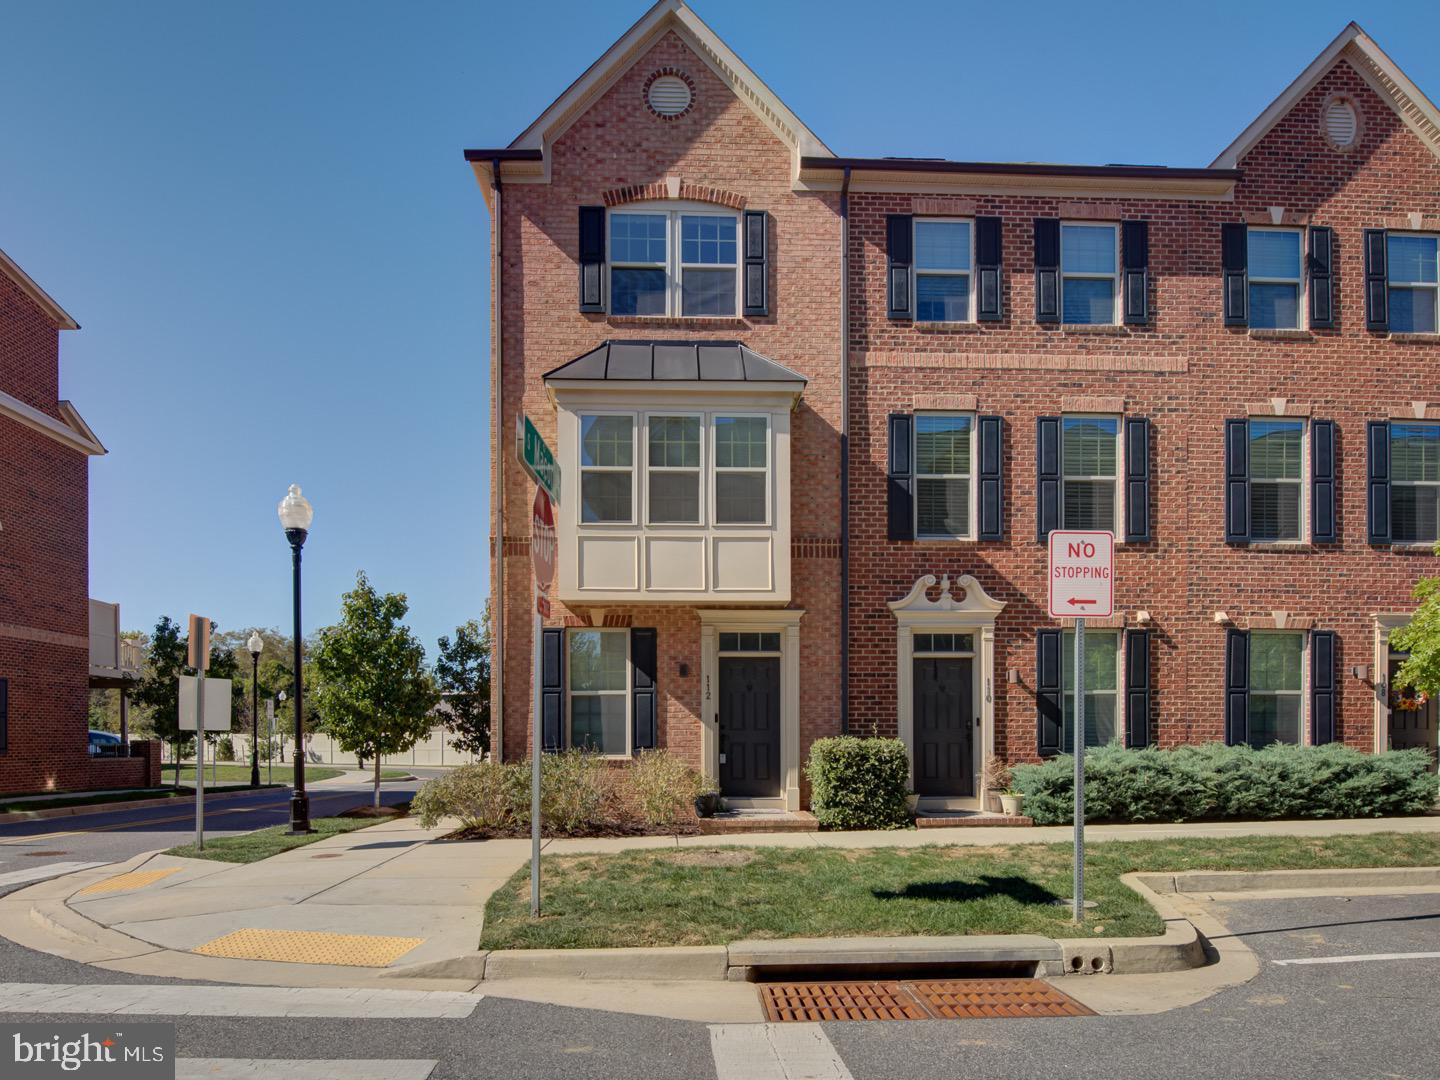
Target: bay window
x=673 y=470
x=742 y=455
x=607 y=469
x=674 y=262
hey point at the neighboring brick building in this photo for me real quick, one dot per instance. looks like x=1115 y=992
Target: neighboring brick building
x=1215 y=363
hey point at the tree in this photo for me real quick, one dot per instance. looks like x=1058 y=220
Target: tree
x=159 y=689
x=462 y=671
x=372 y=686
x=1421 y=639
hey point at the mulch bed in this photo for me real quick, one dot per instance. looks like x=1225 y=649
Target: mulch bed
x=601 y=829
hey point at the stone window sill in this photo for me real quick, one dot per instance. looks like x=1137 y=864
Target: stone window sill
x=949 y=327
x=1423 y=547
x=1290 y=547
x=1282 y=335
x=1416 y=339
x=678 y=322
x=1114 y=329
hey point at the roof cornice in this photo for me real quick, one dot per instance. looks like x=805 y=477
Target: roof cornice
x=934 y=175
x=56 y=314
x=72 y=432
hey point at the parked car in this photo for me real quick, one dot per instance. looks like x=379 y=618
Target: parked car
x=106 y=744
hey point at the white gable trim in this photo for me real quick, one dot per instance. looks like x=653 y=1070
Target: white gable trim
x=1384 y=76
x=58 y=315
x=74 y=433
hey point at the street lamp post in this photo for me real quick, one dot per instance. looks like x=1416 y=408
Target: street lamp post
x=295 y=517
x=255 y=644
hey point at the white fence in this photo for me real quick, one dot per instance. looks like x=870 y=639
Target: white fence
x=434 y=750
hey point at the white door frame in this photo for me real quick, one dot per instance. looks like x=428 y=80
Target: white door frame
x=1385 y=624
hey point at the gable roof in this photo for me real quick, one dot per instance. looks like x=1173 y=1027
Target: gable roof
x=1384 y=76
x=58 y=315
x=673 y=361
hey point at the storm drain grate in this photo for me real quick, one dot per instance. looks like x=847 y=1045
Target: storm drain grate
x=950 y=999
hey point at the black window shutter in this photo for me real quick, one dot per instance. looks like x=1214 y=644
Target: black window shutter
x=1137 y=688
x=1047 y=270
x=1323 y=692
x=988 y=304
x=757 y=299
x=1237 y=482
x=643 y=660
x=1322 y=482
x=1049 y=718
x=1322 y=295
x=552 y=689
x=898 y=241
x=1135 y=255
x=4 y=715
x=1047 y=476
x=1377 y=487
x=592 y=258
x=1237 y=687
x=992 y=478
x=1377 y=281
x=1234 y=266
x=900 y=475
x=1137 y=480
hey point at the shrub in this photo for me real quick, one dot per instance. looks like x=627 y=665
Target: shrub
x=225 y=750
x=577 y=794
x=1211 y=782
x=859 y=783
x=665 y=787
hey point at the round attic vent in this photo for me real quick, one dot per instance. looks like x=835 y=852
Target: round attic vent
x=668 y=95
x=1341 y=123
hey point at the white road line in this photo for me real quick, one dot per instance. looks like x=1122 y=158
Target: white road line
x=1358 y=959
x=128 y=999
x=319 y=1069
x=775 y=1052
x=41 y=873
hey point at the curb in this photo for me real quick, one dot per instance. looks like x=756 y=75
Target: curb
x=82 y=809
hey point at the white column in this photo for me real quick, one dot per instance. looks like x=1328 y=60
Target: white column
x=790 y=717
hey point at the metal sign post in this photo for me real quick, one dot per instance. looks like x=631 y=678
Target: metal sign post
x=270 y=742
x=1079 y=740
x=199 y=657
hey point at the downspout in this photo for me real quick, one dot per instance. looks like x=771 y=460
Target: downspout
x=497 y=493
x=845 y=453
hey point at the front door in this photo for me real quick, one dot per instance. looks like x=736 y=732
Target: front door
x=750 y=726
x=1412 y=725
x=944 y=715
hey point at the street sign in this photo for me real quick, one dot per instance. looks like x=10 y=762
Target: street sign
x=198 y=654
x=536 y=457
x=217 y=704
x=1082 y=574
x=542 y=541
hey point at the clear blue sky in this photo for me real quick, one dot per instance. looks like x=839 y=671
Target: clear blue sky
x=259 y=214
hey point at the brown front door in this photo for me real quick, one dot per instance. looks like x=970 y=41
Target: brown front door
x=750 y=726
x=944 y=715
x=1411 y=727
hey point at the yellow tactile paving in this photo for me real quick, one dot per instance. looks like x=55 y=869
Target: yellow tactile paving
x=310 y=947
x=133 y=880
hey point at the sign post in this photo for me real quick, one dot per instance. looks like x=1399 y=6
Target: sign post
x=270 y=741
x=1082 y=584
x=199 y=657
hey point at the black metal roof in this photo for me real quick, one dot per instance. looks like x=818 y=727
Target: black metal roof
x=674 y=361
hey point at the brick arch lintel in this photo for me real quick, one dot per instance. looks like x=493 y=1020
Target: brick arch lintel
x=673 y=188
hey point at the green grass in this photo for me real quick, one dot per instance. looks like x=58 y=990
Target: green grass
x=261 y=844
x=704 y=896
x=81 y=799
x=236 y=773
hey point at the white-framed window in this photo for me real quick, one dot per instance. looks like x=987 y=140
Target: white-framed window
x=1102 y=687
x=673 y=468
x=1414 y=482
x=1089 y=472
x=1412 y=261
x=1277 y=680
x=1089 y=273
x=759 y=641
x=946 y=644
x=944 y=256
x=681 y=261
x=742 y=469
x=1277 y=480
x=1274 y=269
x=944 y=476
x=607 y=468
x=598 y=666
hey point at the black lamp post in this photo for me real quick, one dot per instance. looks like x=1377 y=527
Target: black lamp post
x=255 y=644
x=295 y=517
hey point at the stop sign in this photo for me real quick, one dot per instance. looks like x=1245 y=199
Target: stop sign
x=542 y=541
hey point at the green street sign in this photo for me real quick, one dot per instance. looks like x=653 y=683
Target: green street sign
x=537 y=458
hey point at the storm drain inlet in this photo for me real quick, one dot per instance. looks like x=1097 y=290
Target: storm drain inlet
x=936 y=999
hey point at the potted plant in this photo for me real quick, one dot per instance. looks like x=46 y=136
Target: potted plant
x=999 y=784
x=707 y=797
x=1011 y=802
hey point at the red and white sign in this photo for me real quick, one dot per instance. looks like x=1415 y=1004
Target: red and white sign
x=1082 y=574
x=542 y=541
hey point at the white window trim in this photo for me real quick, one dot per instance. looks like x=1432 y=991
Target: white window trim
x=720 y=649
x=570 y=694
x=1116 y=526
x=1119 y=691
x=673 y=266
x=1410 y=483
x=970 y=480
x=716 y=470
x=1300 y=283
x=1432 y=289
x=920 y=271
x=1303 y=693
x=699 y=472
x=1303 y=482
x=1113 y=278
x=583 y=469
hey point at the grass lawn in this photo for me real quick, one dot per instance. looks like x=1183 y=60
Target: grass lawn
x=237 y=773
x=261 y=844
x=82 y=799
x=712 y=896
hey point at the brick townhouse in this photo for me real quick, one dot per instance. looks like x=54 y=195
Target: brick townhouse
x=55 y=642
x=816 y=417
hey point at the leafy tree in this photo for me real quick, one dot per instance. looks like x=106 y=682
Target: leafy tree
x=372 y=687
x=159 y=689
x=1421 y=639
x=462 y=671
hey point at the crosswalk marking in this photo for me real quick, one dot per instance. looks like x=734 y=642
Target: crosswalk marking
x=775 y=1052
x=41 y=873
x=1360 y=959
x=316 y=1069
x=128 y=999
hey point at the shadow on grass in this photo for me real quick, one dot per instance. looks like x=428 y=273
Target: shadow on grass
x=1021 y=890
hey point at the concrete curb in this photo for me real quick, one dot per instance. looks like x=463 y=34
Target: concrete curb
x=14 y=816
x=1204 y=882
x=1179 y=948
x=682 y=963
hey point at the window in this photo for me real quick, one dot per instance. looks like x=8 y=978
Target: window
x=943 y=643
x=675 y=262
x=1088 y=260
x=1089 y=463
x=742 y=456
x=1277 y=490
x=673 y=476
x=599 y=690
x=607 y=474
x=943 y=253
x=750 y=642
x=1274 y=268
x=1102 y=687
x=1414 y=483
x=943 y=446
x=1275 y=682
x=1414 y=268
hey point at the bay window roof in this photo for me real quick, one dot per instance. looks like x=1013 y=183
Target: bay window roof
x=674 y=361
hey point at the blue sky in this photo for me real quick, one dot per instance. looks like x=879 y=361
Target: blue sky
x=259 y=214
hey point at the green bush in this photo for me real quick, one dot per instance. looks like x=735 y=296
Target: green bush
x=1212 y=782
x=665 y=787
x=577 y=794
x=859 y=783
x=225 y=750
